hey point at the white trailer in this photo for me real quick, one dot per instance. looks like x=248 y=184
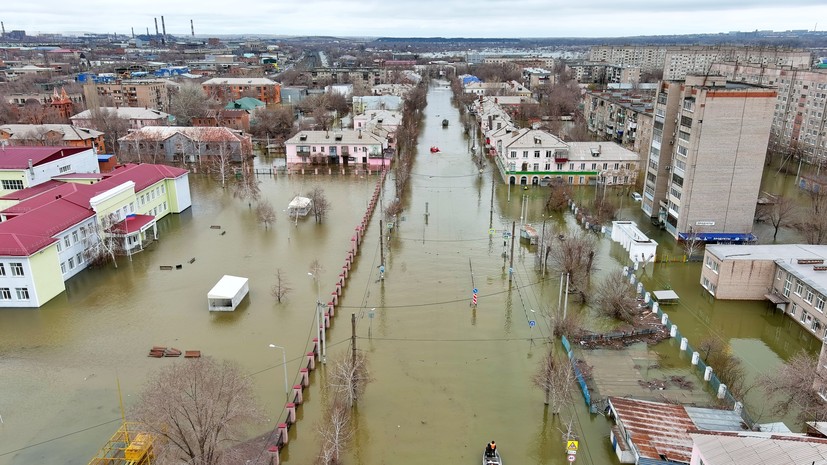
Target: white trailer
x=227 y=293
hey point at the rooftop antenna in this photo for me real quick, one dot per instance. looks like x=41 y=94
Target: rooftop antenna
x=192 y=28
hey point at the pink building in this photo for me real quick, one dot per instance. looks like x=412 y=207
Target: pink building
x=344 y=147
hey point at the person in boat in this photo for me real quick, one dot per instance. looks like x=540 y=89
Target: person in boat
x=490 y=449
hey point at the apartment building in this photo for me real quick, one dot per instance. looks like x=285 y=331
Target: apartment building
x=677 y=62
x=622 y=117
x=537 y=157
x=706 y=157
x=345 y=147
x=227 y=89
x=587 y=72
x=800 y=118
x=129 y=93
x=49 y=230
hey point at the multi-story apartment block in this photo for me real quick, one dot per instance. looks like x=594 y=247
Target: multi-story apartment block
x=537 y=157
x=622 y=117
x=226 y=89
x=588 y=72
x=800 y=119
x=130 y=93
x=793 y=277
x=679 y=61
x=525 y=61
x=536 y=78
x=706 y=157
x=369 y=76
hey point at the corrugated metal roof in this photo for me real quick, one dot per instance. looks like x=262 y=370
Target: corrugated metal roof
x=722 y=448
x=715 y=419
x=656 y=430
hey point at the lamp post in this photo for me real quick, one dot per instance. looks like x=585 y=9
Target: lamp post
x=284 y=365
x=320 y=328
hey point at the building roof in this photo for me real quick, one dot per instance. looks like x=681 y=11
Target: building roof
x=38 y=131
x=204 y=134
x=584 y=151
x=126 y=112
x=242 y=81
x=48 y=211
x=655 y=429
x=131 y=224
x=245 y=103
x=227 y=287
x=745 y=448
x=786 y=256
x=528 y=138
x=343 y=137
x=17 y=158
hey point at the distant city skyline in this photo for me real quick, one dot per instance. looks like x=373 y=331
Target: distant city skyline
x=422 y=18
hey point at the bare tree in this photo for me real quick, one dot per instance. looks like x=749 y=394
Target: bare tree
x=794 y=386
x=603 y=210
x=101 y=244
x=556 y=379
x=112 y=126
x=281 y=287
x=188 y=102
x=812 y=224
x=320 y=203
x=615 y=297
x=335 y=432
x=276 y=123
x=197 y=409
x=8 y=112
x=691 y=244
x=265 y=214
x=573 y=254
x=349 y=377
x=568 y=326
x=717 y=353
x=779 y=213
x=558 y=196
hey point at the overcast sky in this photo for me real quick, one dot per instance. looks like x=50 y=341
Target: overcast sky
x=417 y=18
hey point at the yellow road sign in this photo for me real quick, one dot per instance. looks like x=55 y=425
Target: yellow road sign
x=572 y=445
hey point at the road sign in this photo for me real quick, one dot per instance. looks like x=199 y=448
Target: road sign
x=475 y=290
x=491 y=232
x=531 y=323
x=572 y=445
x=571 y=458
x=506 y=234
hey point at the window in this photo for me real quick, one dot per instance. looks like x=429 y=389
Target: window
x=5 y=293
x=63 y=267
x=525 y=153
x=804 y=316
x=793 y=309
x=787 y=285
x=559 y=167
x=64 y=169
x=571 y=166
x=808 y=296
x=59 y=247
x=75 y=236
x=16 y=268
x=799 y=288
x=72 y=263
x=131 y=207
x=820 y=304
x=163 y=189
x=22 y=293
x=513 y=154
x=2 y=270
x=536 y=167
x=83 y=232
x=12 y=184
x=536 y=154
x=66 y=241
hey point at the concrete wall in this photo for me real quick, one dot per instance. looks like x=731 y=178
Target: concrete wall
x=738 y=279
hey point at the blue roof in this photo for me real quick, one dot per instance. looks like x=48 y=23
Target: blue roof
x=468 y=79
x=104 y=157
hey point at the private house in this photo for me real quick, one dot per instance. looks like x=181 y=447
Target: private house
x=23 y=167
x=656 y=433
x=187 y=144
x=382 y=123
x=225 y=89
x=137 y=117
x=246 y=103
x=748 y=447
x=51 y=135
x=536 y=157
x=51 y=231
x=792 y=277
x=344 y=147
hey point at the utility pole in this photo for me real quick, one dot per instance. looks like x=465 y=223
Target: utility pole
x=381 y=244
x=543 y=249
x=353 y=339
x=566 y=305
x=511 y=262
x=491 y=212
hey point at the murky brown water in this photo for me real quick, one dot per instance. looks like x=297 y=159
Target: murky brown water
x=447 y=378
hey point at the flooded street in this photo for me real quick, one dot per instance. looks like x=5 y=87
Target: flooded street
x=447 y=378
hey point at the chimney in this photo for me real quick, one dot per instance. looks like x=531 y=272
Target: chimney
x=156 y=27
x=31 y=168
x=164 y=31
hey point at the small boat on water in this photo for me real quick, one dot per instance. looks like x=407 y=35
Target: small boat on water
x=492 y=460
x=434 y=149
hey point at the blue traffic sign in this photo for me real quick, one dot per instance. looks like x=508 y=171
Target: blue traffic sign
x=475 y=290
x=531 y=323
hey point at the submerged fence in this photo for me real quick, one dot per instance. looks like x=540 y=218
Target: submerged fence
x=581 y=380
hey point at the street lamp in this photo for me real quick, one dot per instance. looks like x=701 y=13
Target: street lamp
x=320 y=328
x=284 y=365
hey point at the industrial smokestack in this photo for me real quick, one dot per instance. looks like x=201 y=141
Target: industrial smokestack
x=156 y=27
x=192 y=28
x=163 y=27
x=147 y=32
x=3 y=27
x=133 y=32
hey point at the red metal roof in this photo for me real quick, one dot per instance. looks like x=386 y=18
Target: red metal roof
x=16 y=158
x=29 y=192
x=22 y=245
x=26 y=234
x=656 y=429
x=131 y=224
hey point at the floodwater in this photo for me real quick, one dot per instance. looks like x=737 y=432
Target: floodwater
x=448 y=378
